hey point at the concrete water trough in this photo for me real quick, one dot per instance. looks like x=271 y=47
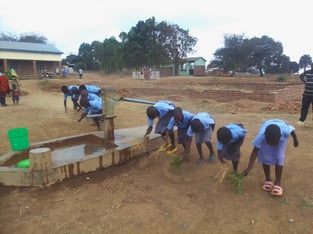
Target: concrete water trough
x=54 y=160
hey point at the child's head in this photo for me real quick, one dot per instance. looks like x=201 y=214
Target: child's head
x=272 y=134
x=152 y=112
x=223 y=135
x=13 y=86
x=178 y=114
x=82 y=87
x=196 y=125
x=75 y=90
x=64 y=89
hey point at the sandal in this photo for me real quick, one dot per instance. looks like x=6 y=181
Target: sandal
x=211 y=158
x=277 y=190
x=171 y=151
x=268 y=186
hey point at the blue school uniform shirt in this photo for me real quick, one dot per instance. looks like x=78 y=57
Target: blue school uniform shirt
x=93 y=89
x=285 y=130
x=187 y=116
x=70 y=93
x=205 y=118
x=95 y=104
x=237 y=132
x=163 y=107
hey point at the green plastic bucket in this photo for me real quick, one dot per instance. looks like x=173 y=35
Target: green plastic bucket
x=18 y=138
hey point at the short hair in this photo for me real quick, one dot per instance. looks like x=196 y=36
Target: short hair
x=224 y=135
x=152 y=112
x=82 y=87
x=272 y=134
x=64 y=89
x=177 y=112
x=84 y=102
x=75 y=90
x=196 y=125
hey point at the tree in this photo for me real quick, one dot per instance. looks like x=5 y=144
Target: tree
x=86 y=55
x=179 y=44
x=150 y=44
x=305 y=61
x=24 y=37
x=243 y=54
x=232 y=56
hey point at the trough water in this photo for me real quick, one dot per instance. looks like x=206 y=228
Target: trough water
x=68 y=151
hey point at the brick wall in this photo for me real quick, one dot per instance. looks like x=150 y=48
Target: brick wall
x=268 y=93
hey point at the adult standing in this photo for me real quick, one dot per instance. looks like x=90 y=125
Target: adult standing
x=307 y=97
x=4 y=88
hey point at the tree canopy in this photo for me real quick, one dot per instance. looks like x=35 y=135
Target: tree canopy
x=241 y=54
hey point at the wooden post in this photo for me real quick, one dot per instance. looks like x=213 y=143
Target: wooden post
x=39 y=159
x=109 y=127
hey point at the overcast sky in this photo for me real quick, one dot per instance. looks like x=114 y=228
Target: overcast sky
x=69 y=23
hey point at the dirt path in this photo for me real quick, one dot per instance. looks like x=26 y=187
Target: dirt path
x=145 y=195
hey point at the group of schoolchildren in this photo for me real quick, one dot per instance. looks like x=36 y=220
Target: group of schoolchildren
x=86 y=98
x=268 y=146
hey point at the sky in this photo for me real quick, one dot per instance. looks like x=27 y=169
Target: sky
x=69 y=23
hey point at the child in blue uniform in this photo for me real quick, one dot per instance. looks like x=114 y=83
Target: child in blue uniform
x=269 y=146
x=73 y=92
x=92 y=104
x=163 y=110
x=202 y=125
x=181 y=119
x=91 y=89
x=229 y=141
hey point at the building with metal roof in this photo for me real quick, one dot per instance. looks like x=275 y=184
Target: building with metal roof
x=29 y=59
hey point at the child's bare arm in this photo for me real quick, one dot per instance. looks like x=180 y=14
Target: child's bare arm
x=295 y=139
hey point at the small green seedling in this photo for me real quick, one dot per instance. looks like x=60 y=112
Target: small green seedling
x=236 y=180
x=176 y=162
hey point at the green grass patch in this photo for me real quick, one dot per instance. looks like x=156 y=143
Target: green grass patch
x=306 y=202
x=236 y=180
x=176 y=162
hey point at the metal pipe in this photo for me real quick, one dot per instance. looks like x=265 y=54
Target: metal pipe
x=136 y=100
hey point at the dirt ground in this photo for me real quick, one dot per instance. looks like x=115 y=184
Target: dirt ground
x=145 y=195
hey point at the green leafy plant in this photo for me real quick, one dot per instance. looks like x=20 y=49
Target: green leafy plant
x=176 y=162
x=236 y=180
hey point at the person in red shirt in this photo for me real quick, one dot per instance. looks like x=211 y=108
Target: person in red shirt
x=4 y=88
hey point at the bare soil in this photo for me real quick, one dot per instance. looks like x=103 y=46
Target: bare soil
x=145 y=195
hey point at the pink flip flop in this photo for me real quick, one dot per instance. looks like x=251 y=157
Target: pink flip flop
x=268 y=186
x=277 y=190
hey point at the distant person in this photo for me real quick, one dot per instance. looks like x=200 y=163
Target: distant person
x=73 y=92
x=91 y=89
x=64 y=72
x=4 y=88
x=15 y=94
x=269 y=146
x=202 y=125
x=80 y=72
x=92 y=105
x=181 y=119
x=163 y=111
x=229 y=141
x=307 y=96
x=57 y=71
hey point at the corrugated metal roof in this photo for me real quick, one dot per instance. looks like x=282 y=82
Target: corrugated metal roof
x=28 y=47
x=192 y=59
